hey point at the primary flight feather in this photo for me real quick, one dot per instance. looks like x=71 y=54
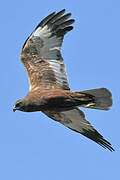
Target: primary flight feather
x=49 y=90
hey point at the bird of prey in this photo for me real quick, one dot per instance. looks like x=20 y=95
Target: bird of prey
x=49 y=91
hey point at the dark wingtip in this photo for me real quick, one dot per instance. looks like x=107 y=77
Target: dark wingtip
x=105 y=144
x=98 y=138
x=63 y=10
x=54 y=22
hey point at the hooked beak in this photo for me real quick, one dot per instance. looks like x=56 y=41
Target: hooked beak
x=14 y=109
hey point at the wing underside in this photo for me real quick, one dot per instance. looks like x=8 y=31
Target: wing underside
x=75 y=120
x=45 y=43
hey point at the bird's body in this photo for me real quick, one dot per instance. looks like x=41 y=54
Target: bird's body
x=56 y=100
x=49 y=91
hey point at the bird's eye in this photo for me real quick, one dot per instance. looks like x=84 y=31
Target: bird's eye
x=18 y=104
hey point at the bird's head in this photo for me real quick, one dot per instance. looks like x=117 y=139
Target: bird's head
x=19 y=105
x=26 y=105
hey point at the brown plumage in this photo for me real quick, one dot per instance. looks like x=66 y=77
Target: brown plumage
x=49 y=91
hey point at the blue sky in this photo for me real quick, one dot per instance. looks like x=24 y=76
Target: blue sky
x=34 y=147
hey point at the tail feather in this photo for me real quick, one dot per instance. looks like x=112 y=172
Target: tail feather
x=102 y=98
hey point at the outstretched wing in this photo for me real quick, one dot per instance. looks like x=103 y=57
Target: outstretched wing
x=41 y=54
x=75 y=120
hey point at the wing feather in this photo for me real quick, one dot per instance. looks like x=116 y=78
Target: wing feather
x=45 y=44
x=75 y=120
x=62 y=19
x=55 y=17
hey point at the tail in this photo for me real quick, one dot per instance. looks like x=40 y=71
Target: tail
x=102 y=98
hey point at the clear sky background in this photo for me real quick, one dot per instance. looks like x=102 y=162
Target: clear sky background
x=34 y=147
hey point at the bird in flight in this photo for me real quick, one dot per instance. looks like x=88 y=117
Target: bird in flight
x=49 y=90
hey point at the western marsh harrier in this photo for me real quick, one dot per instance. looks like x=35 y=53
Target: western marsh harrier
x=49 y=91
